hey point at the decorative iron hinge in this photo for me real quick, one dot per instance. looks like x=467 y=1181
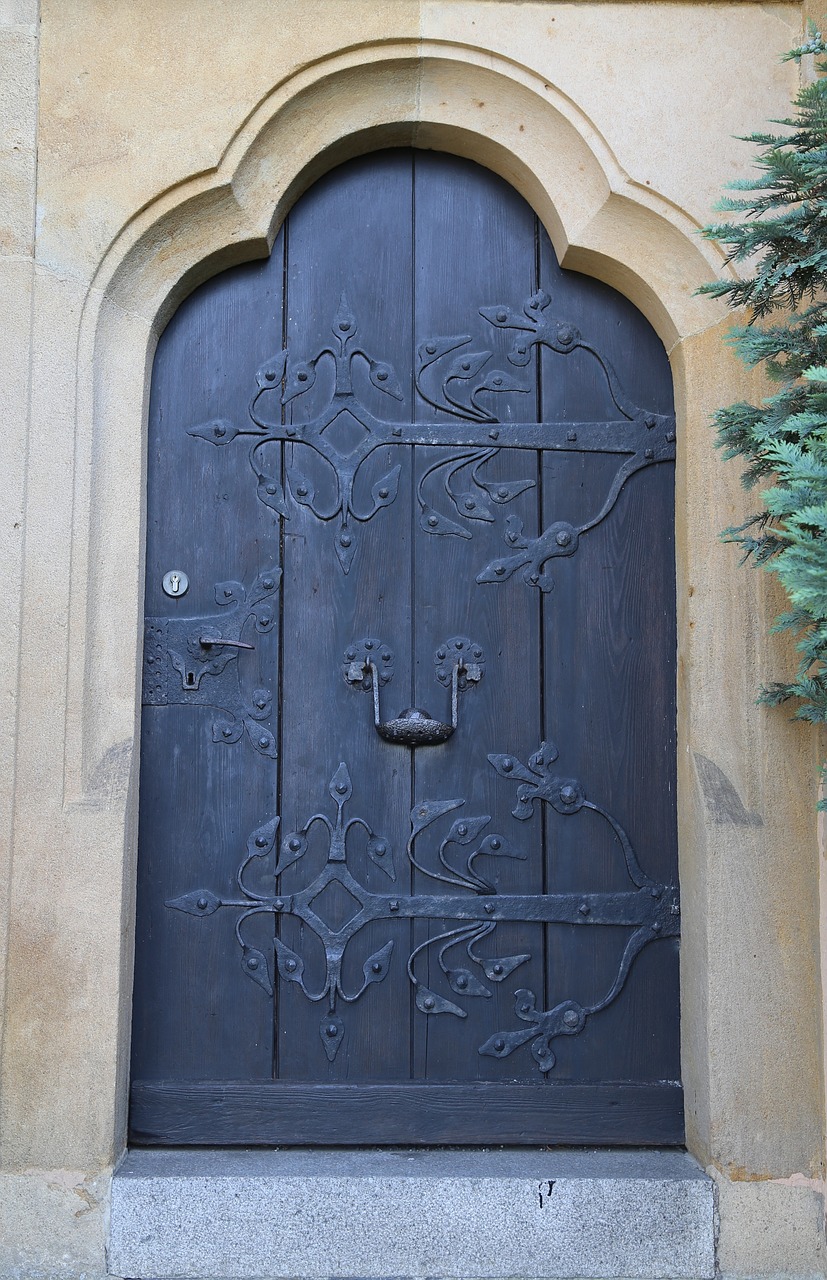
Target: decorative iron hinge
x=453 y=381
x=336 y=907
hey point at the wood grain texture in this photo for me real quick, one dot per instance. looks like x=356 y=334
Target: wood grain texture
x=417 y=242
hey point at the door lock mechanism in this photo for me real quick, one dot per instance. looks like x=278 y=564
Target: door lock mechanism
x=459 y=664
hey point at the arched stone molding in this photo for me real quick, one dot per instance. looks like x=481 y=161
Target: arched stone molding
x=427 y=94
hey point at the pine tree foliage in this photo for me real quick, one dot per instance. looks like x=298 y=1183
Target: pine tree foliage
x=778 y=238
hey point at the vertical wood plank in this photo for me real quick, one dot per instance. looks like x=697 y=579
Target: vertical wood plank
x=196 y=1014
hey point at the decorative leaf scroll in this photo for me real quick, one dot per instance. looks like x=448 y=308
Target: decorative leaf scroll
x=193 y=661
x=654 y=440
x=454 y=494
x=336 y=907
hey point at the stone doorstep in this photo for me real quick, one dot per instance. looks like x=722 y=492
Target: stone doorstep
x=381 y=1214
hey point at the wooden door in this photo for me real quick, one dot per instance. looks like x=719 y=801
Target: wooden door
x=407 y=868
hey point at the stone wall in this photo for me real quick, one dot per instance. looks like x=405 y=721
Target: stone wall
x=149 y=144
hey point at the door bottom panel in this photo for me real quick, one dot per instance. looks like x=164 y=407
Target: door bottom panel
x=236 y=1113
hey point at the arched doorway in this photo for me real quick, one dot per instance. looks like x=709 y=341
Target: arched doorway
x=454 y=491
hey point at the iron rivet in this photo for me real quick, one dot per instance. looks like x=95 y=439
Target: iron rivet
x=584 y=909
x=341 y=788
x=376 y=966
x=263 y=742
x=270 y=375
x=265 y=620
x=651 y=422
x=394 y=905
x=489 y=908
x=397 y=431
x=525 y=1008
x=291 y=431
x=270 y=488
x=469 y=504
x=380 y=850
x=498 y=382
x=219 y=431
x=252 y=963
x=331 y=1030
x=571 y=435
x=290 y=966
x=301 y=491
x=462 y=829
x=344 y=325
x=570 y=1018
x=675 y=909
x=521 y=351
x=383 y=493
x=202 y=904
x=534 y=578
x=430 y=347
x=302 y=377
x=497 y=968
x=462 y=982
x=499 y=570
x=350 y=655
x=495 y=842
x=568 y=795
x=345 y=539
x=499 y=1045
x=502 y=316
x=502 y=493
x=294 y=844
x=508 y=765
x=382 y=376
x=542 y=1051
x=440 y=653
x=649 y=453
x=459 y=644
x=534 y=304
x=228 y=591
x=268 y=584
x=386 y=657
x=511 y=536
x=656 y=927
x=261 y=703
x=279 y=904
x=564 y=334
x=655 y=891
x=466 y=364
x=670 y=436
x=477 y=652
x=227 y=731
x=433 y=521
x=428 y=1002
x=563 y=538
x=493 y=435
x=261 y=842
x=368 y=644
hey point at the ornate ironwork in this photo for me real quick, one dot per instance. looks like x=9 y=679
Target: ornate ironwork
x=459 y=664
x=336 y=906
x=452 y=381
x=193 y=661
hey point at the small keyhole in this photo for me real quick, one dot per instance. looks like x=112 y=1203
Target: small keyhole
x=175 y=582
x=190 y=677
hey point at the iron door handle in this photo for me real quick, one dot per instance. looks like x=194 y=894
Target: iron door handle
x=459 y=663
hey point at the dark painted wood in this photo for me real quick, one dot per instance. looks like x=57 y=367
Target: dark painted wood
x=418 y=243
x=215 y=1113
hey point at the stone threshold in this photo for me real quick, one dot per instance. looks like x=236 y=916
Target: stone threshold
x=414 y=1214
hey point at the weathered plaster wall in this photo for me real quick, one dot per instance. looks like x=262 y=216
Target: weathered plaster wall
x=166 y=138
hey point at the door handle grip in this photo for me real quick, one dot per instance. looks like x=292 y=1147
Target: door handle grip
x=415 y=727
x=209 y=641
